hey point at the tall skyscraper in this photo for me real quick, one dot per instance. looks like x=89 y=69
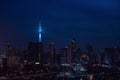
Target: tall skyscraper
x=40 y=54
x=73 y=51
x=7 y=51
x=35 y=49
x=52 y=54
x=40 y=44
x=66 y=55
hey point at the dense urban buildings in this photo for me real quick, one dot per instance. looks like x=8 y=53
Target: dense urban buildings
x=69 y=63
x=70 y=58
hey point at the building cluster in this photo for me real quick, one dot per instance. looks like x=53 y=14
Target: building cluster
x=9 y=57
x=69 y=55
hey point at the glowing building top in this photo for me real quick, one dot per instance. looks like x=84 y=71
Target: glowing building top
x=40 y=33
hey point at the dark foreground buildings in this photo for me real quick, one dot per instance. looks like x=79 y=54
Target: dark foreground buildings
x=34 y=52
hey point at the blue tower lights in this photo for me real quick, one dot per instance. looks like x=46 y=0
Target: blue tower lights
x=40 y=32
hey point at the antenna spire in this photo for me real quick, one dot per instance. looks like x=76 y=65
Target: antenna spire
x=40 y=32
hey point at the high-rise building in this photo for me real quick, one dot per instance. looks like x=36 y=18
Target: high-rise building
x=63 y=56
x=58 y=59
x=8 y=51
x=52 y=54
x=35 y=49
x=35 y=52
x=73 y=50
x=40 y=47
x=46 y=59
x=73 y=45
x=69 y=56
x=66 y=55
x=40 y=54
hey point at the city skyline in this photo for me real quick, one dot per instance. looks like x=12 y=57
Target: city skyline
x=59 y=39
x=96 y=23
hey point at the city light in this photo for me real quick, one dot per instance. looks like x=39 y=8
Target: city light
x=40 y=33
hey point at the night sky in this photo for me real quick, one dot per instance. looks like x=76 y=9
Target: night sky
x=89 y=21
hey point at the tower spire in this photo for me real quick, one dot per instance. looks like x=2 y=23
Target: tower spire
x=40 y=32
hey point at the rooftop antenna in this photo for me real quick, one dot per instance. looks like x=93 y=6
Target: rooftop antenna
x=40 y=32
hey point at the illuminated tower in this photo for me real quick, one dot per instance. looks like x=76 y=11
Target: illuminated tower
x=35 y=49
x=40 y=33
x=40 y=47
